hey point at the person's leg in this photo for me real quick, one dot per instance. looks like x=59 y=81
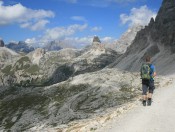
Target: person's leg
x=151 y=90
x=144 y=94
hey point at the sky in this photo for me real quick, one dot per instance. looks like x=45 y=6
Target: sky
x=72 y=21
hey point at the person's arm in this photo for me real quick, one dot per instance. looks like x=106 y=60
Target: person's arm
x=154 y=74
x=154 y=71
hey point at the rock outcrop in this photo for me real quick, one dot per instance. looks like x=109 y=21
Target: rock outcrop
x=7 y=56
x=37 y=55
x=1 y=43
x=96 y=44
x=96 y=39
x=127 y=38
x=157 y=40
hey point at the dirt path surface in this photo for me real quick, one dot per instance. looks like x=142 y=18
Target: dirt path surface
x=159 y=117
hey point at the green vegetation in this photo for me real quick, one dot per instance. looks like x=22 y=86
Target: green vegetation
x=19 y=104
x=55 y=60
x=118 y=98
x=37 y=101
x=126 y=87
x=93 y=129
x=8 y=70
x=33 y=69
x=62 y=73
x=24 y=59
x=65 y=91
x=22 y=63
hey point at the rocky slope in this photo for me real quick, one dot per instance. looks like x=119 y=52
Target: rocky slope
x=79 y=97
x=84 y=96
x=156 y=40
x=7 y=56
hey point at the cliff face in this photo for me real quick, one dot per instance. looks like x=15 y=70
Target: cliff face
x=157 y=40
x=127 y=38
x=1 y=43
x=165 y=23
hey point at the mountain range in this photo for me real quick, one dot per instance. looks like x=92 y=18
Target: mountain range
x=46 y=90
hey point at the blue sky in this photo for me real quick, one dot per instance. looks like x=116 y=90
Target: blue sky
x=72 y=21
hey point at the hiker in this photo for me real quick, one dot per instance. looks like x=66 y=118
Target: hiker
x=147 y=75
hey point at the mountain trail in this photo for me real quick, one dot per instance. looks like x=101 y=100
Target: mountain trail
x=159 y=117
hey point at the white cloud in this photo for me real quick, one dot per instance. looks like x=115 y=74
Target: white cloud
x=79 y=42
x=57 y=33
x=1 y=3
x=25 y=17
x=62 y=32
x=96 y=29
x=36 y=26
x=74 y=41
x=31 y=41
x=78 y=18
x=108 y=40
x=140 y=16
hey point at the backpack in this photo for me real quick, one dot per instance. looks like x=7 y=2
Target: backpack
x=145 y=71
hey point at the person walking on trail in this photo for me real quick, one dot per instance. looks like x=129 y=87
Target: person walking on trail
x=147 y=75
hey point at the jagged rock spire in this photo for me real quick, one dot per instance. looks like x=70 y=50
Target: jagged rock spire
x=96 y=39
x=1 y=43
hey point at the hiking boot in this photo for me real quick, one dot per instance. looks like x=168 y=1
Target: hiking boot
x=144 y=102
x=149 y=101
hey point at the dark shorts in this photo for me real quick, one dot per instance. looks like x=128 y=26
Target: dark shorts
x=147 y=86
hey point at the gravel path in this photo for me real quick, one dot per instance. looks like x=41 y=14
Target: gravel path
x=160 y=117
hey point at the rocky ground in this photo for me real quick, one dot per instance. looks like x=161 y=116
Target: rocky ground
x=159 y=117
x=97 y=96
x=79 y=97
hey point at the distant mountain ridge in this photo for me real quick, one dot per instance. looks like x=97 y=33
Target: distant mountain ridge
x=21 y=46
x=125 y=40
